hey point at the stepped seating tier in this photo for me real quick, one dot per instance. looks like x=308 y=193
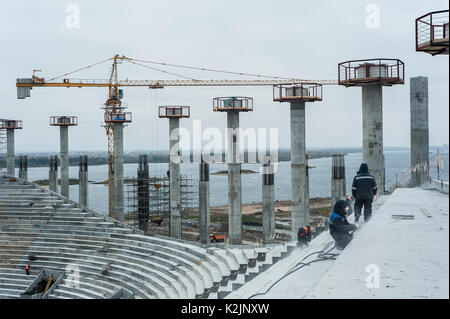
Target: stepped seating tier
x=52 y=233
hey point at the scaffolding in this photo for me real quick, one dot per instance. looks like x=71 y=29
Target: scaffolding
x=147 y=202
x=2 y=147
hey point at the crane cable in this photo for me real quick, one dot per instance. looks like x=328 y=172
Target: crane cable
x=159 y=70
x=81 y=69
x=212 y=70
x=136 y=62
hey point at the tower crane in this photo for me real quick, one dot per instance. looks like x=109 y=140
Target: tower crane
x=113 y=104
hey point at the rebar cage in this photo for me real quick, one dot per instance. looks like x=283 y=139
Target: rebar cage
x=174 y=111
x=233 y=103
x=308 y=92
x=338 y=166
x=11 y=124
x=383 y=71
x=3 y=140
x=120 y=117
x=63 y=120
x=432 y=32
x=148 y=199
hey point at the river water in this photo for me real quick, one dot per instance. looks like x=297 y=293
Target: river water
x=320 y=178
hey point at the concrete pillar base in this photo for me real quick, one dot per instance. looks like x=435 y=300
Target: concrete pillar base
x=174 y=183
x=420 y=162
x=10 y=156
x=372 y=112
x=118 y=172
x=64 y=149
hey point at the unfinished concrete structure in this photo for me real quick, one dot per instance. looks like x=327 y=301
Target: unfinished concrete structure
x=371 y=75
x=10 y=126
x=150 y=267
x=53 y=174
x=307 y=187
x=64 y=122
x=117 y=121
x=268 y=200
x=83 y=181
x=2 y=147
x=298 y=94
x=23 y=167
x=432 y=33
x=338 y=187
x=232 y=106
x=204 y=204
x=143 y=196
x=420 y=162
x=174 y=113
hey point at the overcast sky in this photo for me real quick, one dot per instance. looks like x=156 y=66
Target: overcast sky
x=301 y=39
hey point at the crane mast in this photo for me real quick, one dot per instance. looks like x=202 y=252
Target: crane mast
x=112 y=105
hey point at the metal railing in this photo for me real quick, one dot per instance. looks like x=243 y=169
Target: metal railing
x=436 y=168
x=389 y=71
x=432 y=27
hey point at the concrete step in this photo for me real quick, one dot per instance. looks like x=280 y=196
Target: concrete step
x=151 y=269
x=155 y=285
x=68 y=230
x=189 y=288
x=149 y=266
x=28 y=197
x=44 y=249
x=69 y=294
x=13 y=281
x=194 y=269
x=125 y=280
x=12 y=293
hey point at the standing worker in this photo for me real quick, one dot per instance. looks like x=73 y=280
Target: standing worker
x=363 y=189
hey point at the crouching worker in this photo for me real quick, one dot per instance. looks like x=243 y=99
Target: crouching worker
x=304 y=235
x=340 y=229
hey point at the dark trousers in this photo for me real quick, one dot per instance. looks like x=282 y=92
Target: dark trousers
x=343 y=241
x=367 y=203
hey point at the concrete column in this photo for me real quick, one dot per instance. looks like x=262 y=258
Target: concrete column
x=174 y=179
x=53 y=174
x=10 y=157
x=372 y=113
x=143 y=193
x=83 y=181
x=268 y=201
x=64 y=154
x=308 y=221
x=203 y=203
x=298 y=168
x=23 y=169
x=118 y=171
x=234 y=180
x=419 y=130
x=338 y=184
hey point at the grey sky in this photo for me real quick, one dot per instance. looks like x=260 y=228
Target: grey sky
x=302 y=39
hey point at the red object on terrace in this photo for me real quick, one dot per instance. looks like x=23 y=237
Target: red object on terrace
x=174 y=111
x=289 y=92
x=120 y=117
x=360 y=72
x=11 y=124
x=233 y=103
x=63 y=120
x=432 y=32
